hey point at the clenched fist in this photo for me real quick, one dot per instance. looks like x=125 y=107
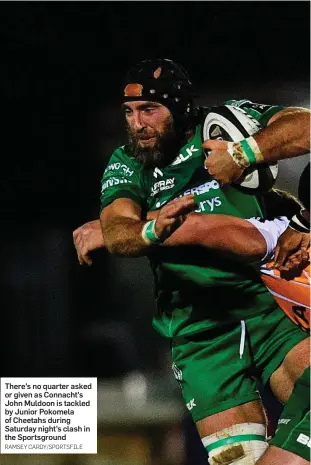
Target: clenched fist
x=219 y=162
x=87 y=238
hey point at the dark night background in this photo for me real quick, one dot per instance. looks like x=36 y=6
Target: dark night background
x=61 y=68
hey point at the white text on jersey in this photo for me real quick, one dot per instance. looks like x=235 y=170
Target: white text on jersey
x=162 y=186
x=113 y=182
x=181 y=157
x=118 y=166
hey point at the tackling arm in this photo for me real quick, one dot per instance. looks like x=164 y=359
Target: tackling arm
x=230 y=235
x=235 y=237
x=123 y=227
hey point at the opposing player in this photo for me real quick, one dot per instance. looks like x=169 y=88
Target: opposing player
x=250 y=241
x=297 y=235
x=217 y=313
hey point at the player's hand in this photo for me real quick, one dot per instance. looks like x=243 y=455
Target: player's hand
x=87 y=238
x=294 y=265
x=219 y=162
x=171 y=216
x=297 y=261
x=290 y=242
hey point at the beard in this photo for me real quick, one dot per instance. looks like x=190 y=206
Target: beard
x=162 y=152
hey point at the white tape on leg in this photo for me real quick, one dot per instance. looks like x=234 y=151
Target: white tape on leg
x=241 y=444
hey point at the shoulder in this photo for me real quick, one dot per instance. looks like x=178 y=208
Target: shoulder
x=122 y=159
x=122 y=152
x=261 y=112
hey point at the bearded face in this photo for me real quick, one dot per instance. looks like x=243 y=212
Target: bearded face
x=152 y=137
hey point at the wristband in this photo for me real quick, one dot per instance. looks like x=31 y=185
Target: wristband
x=245 y=153
x=252 y=150
x=299 y=223
x=148 y=233
x=236 y=151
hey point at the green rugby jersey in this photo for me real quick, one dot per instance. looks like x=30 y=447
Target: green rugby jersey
x=195 y=288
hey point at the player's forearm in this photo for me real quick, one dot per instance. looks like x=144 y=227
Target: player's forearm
x=287 y=136
x=229 y=235
x=126 y=234
x=122 y=236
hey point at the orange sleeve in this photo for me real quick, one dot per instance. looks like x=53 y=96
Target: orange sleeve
x=292 y=296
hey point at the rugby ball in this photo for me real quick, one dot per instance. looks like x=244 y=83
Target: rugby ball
x=230 y=123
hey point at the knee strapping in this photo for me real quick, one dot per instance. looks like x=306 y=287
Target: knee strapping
x=241 y=444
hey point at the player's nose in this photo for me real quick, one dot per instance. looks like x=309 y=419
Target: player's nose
x=137 y=121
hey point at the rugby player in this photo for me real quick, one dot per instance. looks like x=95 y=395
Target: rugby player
x=249 y=241
x=296 y=236
x=217 y=313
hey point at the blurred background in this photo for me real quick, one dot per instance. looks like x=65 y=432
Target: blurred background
x=62 y=64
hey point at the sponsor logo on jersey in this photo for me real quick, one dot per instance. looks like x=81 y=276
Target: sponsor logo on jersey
x=204 y=205
x=208 y=205
x=162 y=186
x=190 y=405
x=119 y=166
x=181 y=157
x=203 y=188
x=283 y=421
x=303 y=439
x=157 y=172
x=114 y=182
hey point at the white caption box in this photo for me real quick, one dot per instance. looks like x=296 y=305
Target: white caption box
x=48 y=416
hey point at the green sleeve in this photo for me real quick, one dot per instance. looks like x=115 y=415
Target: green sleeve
x=261 y=112
x=121 y=179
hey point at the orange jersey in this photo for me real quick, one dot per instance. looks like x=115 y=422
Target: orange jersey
x=292 y=296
